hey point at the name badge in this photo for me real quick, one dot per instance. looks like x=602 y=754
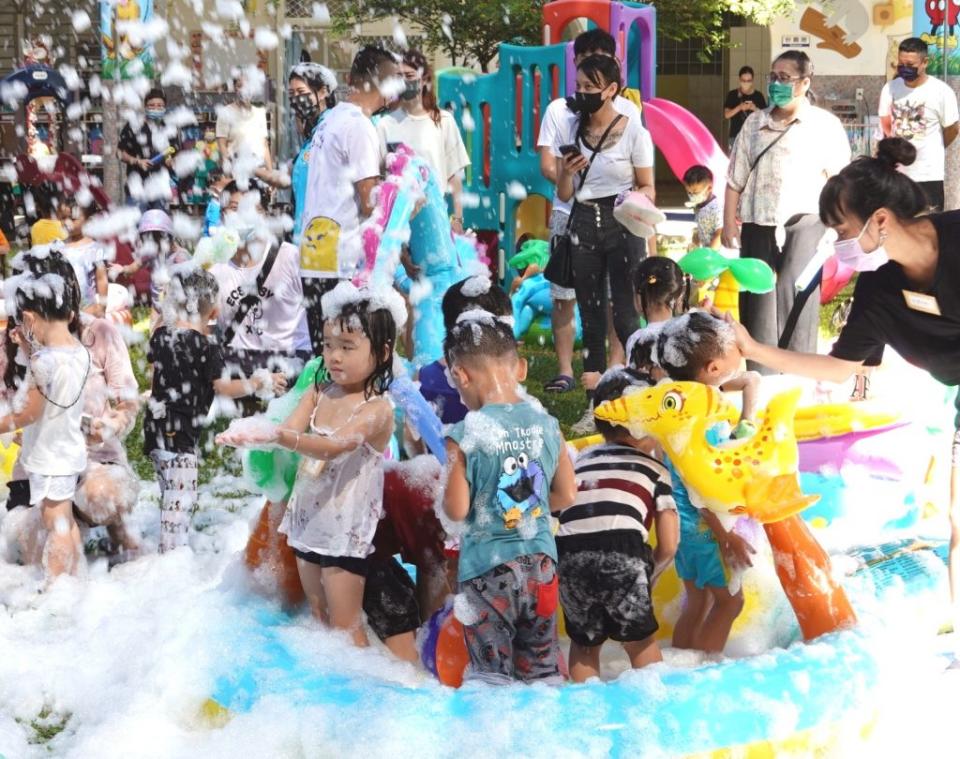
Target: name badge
x=920 y=302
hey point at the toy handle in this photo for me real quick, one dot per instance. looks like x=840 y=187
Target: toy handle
x=421 y=415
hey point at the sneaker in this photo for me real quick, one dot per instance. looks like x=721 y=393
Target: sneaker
x=585 y=425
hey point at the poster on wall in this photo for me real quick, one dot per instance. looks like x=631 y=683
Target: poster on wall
x=935 y=22
x=123 y=52
x=845 y=37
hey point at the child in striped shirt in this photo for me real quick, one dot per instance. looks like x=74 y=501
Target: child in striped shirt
x=606 y=565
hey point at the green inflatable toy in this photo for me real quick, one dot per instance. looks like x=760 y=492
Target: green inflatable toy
x=751 y=274
x=273 y=472
x=536 y=252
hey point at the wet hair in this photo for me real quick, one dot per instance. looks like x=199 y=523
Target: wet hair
x=193 y=291
x=46 y=199
x=697 y=174
x=612 y=385
x=601 y=70
x=14 y=373
x=312 y=75
x=455 y=302
x=479 y=339
x=745 y=70
x=914 y=45
x=869 y=184
x=367 y=64
x=155 y=94
x=378 y=326
x=417 y=60
x=254 y=186
x=799 y=59
x=594 y=40
x=660 y=281
x=642 y=348
x=38 y=288
x=687 y=343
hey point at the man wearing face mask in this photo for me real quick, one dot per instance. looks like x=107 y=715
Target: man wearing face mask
x=147 y=148
x=779 y=163
x=923 y=110
x=311 y=89
x=741 y=102
x=260 y=315
x=344 y=169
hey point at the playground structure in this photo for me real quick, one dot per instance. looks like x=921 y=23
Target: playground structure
x=499 y=115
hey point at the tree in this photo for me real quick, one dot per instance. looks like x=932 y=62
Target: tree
x=468 y=31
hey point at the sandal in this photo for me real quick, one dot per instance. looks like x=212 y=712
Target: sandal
x=562 y=383
x=861 y=388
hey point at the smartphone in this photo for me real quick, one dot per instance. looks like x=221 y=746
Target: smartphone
x=566 y=150
x=86 y=424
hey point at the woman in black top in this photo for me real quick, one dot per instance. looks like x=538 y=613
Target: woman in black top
x=907 y=294
x=741 y=102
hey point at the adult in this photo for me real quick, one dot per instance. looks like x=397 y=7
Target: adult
x=344 y=170
x=613 y=153
x=554 y=129
x=242 y=136
x=311 y=89
x=923 y=110
x=907 y=295
x=741 y=102
x=778 y=165
x=157 y=249
x=429 y=130
x=265 y=326
x=147 y=146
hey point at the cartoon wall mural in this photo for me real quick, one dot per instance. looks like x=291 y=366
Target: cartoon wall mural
x=936 y=21
x=123 y=52
x=845 y=37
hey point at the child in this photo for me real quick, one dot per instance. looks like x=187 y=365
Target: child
x=707 y=209
x=49 y=403
x=213 y=212
x=473 y=292
x=187 y=369
x=607 y=568
x=698 y=347
x=663 y=290
x=507 y=470
x=341 y=429
x=48 y=226
x=88 y=258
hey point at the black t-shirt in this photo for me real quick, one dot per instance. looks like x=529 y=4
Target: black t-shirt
x=880 y=315
x=149 y=141
x=185 y=366
x=735 y=98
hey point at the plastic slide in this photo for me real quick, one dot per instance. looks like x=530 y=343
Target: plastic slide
x=684 y=140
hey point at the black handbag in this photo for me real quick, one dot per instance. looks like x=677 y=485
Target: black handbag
x=559 y=268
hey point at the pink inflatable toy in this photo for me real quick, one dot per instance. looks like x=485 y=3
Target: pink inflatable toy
x=684 y=140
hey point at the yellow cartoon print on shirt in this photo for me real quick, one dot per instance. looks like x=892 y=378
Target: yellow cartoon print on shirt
x=318 y=247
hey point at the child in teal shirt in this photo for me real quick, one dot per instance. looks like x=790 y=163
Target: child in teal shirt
x=508 y=469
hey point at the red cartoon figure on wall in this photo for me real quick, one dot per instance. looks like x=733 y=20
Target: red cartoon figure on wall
x=942 y=12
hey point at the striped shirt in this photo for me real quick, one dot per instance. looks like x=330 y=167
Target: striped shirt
x=618 y=489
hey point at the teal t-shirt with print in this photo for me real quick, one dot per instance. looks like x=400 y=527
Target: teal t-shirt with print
x=693 y=527
x=511 y=453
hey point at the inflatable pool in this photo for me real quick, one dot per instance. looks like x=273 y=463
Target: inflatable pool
x=763 y=705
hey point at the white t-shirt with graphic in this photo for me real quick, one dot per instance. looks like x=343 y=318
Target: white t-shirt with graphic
x=559 y=127
x=439 y=145
x=345 y=150
x=920 y=114
x=278 y=322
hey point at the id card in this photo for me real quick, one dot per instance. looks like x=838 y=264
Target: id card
x=926 y=304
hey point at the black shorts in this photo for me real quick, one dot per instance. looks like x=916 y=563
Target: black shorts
x=19 y=494
x=349 y=563
x=390 y=599
x=605 y=593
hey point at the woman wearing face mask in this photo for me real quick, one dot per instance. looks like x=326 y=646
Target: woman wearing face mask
x=157 y=249
x=430 y=131
x=907 y=295
x=311 y=89
x=148 y=151
x=605 y=153
x=779 y=163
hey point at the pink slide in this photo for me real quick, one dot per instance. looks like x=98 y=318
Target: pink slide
x=684 y=140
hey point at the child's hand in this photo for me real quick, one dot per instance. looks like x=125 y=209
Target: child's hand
x=279 y=383
x=252 y=432
x=736 y=551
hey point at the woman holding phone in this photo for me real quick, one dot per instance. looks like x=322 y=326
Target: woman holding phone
x=604 y=154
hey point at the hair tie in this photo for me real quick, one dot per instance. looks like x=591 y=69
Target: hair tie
x=652 y=279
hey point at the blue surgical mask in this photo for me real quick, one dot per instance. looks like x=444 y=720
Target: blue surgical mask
x=155 y=114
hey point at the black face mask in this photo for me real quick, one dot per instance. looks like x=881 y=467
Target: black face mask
x=306 y=107
x=908 y=73
x=585 y=102
x=411 y=89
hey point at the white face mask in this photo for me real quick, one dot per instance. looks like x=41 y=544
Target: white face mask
x=851 y=253
x=696 y=198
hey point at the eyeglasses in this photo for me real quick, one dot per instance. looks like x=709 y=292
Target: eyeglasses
x=783 y=78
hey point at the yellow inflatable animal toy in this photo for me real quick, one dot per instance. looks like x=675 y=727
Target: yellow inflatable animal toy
x=756 y=476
